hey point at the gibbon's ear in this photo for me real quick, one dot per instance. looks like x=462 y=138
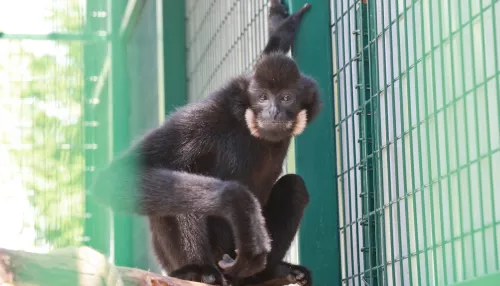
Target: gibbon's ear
x=310 y=92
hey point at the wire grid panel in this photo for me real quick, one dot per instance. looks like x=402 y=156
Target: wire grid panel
x=433 y=85
x=42 y=201
x=344 y=18
x=223 y=40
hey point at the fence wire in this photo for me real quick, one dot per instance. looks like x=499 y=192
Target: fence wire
x=223 y=40
x=419 y=140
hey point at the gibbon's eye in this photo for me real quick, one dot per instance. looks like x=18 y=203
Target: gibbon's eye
x=286 y=97
x=263 y=97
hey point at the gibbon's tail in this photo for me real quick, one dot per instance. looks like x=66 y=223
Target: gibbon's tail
x=117 y=186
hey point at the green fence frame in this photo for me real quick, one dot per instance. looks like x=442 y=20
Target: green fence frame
x=106 y=231
x=315 y=149
x=174 y=55
x=98 y=224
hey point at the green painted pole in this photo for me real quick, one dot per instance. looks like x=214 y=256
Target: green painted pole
x=319 y=244
x=123 y=254
x=174 y=54
x=97 y=221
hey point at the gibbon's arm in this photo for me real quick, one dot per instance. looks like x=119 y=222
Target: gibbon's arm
x=152 y=178
x=146 y=181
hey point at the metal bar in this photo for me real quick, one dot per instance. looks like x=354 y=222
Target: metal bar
x=387 y=136
x=353 y=36
x=427 y=148
x=403 y=153
x=369 y=81
x=345 y=192
x=447 y=158
x=497 y=85
x=130 y=17
x=174 y=54
x=477 y=135
x=411 y=159
x=378 y=146
x=160 y=71
x=467 y=152
x=354 y=128
x=102 y=79
x=98 y=227
x=415 y=220
x=430 y=153
x=123 y=224
x=84 y=37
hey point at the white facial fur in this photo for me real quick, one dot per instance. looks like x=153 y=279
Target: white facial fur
x=300 y=123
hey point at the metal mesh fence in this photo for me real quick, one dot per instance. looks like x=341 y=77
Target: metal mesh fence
x=42 y=164
x=419 y=141
x=59 y=100
x=223 y=39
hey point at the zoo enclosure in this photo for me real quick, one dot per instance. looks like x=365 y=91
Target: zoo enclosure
x=408 y=137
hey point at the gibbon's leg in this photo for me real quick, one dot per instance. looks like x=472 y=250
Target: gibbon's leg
x=183 y=248
x=283 y=214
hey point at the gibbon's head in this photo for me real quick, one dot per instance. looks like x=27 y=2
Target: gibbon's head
x=282 y=100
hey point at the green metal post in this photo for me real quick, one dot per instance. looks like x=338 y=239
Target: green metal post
x=97 y=222
x=319 y=245
x=123 y=254
x=367 y=83
x=174 y=55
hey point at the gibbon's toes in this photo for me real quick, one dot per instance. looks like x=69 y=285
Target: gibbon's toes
x=200 y=273
x=243 y=265
x=300 y=276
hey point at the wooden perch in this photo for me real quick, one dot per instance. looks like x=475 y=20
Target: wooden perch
x=74 y=266
x=80 y=266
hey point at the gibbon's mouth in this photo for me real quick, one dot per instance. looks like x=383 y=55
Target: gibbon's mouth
x=275 y=130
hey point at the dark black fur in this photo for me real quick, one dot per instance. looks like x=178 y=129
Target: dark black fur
x=209 y=186
x=282 y=28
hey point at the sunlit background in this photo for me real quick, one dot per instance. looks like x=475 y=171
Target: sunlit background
x=41 y=141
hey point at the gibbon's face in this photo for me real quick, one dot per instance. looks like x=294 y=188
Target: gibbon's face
x=276 y=98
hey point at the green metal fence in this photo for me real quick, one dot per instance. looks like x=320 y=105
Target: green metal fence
x=223 y=39
x=69 y=76
x=401 y=163
x=418 y=125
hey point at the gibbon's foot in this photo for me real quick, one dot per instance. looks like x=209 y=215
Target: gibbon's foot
x=300 y=275
x=244 y=265
x=200 y=273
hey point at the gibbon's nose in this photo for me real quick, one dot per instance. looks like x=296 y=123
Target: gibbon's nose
x=272 y=112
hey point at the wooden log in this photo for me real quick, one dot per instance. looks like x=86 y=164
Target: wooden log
x=74 y=266
x=81 y=266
